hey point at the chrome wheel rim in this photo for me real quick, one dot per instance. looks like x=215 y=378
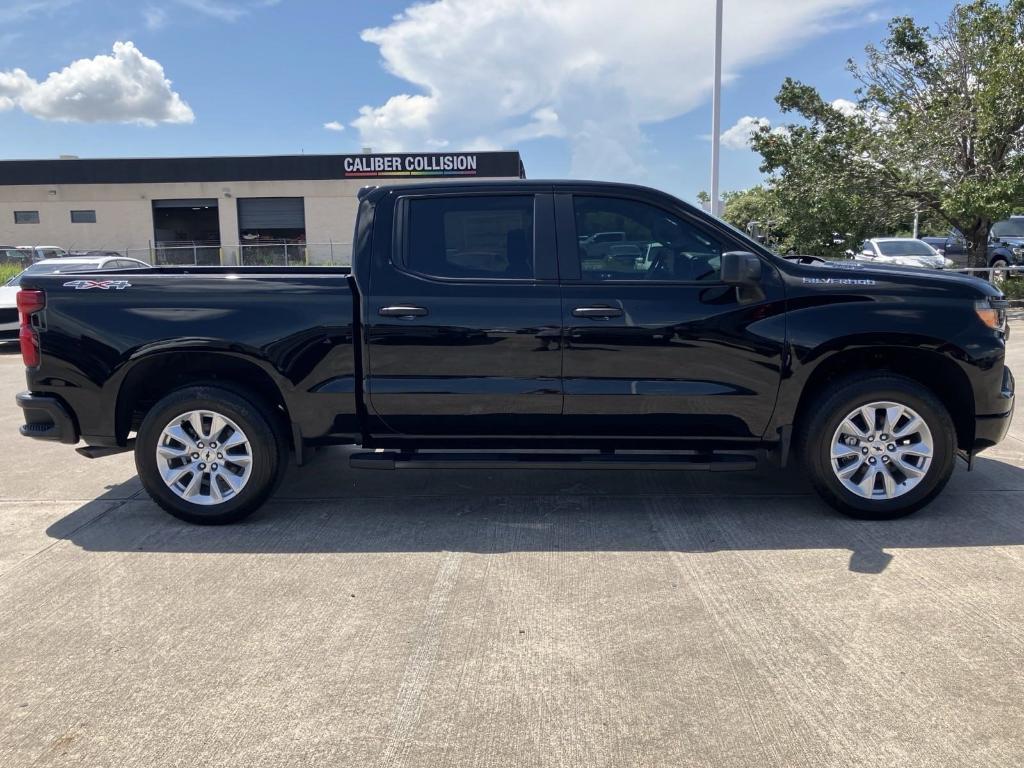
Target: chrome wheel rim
x=882 y=450
x=204 y=457
x=999 y=270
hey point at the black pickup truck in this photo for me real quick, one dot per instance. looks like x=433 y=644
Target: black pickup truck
x=481 y=326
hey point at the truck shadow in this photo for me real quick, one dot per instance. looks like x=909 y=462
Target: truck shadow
x=319 y=509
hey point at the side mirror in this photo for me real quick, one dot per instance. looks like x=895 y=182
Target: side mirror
x=740 y=268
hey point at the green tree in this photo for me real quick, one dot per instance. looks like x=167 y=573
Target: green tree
x=757 y=212
x=939 y=126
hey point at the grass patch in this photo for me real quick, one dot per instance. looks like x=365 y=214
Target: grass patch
x=1013 y=287
x=7 y=271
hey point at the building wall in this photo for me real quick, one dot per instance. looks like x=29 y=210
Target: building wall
x=124 y=218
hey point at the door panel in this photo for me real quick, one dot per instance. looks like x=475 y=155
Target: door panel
x=468 y=340
x=681 y=360
x=671 y=357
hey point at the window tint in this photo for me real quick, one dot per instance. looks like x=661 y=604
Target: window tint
x=83 y=217
x=905 y=248
x=471 y=237
x=1009 y=227
x=26 y=217
x=628 y=240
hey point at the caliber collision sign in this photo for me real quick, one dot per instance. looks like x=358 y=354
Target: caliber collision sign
x=440 y=164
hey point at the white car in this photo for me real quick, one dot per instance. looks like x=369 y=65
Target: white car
x=902 y=251
x=9 y=325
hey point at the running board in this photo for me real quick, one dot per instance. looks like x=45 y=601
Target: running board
x=383 y=459
x=102 y=451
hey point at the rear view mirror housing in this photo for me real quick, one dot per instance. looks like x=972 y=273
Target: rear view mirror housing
x=740 y=268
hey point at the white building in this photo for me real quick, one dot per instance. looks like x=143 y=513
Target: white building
x=209 y=210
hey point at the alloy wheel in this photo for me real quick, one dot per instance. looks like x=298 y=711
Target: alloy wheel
x=882 y=450
x=204 y=457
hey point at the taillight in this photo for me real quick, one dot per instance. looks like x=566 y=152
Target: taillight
x=29 y=302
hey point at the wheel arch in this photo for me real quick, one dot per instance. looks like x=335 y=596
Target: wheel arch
x=1000 y=255
x=153 y=377
x=933 y=370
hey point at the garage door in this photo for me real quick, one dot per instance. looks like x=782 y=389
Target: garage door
x=259 y=213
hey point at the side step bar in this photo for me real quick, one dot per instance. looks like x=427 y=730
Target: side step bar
x=383 y=459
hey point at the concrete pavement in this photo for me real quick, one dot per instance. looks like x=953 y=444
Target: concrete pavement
x=496 y=619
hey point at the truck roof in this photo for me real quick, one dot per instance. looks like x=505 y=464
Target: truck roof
x=507 y=183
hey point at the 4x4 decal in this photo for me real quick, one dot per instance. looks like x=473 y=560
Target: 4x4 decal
x=103 y=285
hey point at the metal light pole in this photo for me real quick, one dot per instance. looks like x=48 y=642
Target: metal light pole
x=716 y=109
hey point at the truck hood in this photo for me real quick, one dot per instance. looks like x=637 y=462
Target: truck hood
x=895 y=277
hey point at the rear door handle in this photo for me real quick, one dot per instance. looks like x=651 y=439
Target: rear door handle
x=403 y=311
x=597 y=313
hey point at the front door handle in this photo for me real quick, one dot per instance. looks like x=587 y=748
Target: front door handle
x=597 y=313
x=403 y=311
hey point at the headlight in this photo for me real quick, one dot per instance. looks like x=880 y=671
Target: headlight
x=992 y=312
x=1018 y=251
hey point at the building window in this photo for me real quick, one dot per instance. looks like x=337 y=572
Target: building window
x=83 y=217
x=26 y=217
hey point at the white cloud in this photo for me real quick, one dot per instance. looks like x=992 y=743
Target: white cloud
x=334 y=125
x=23 y=9
x=216 y=9
x=846 y=107
x=738 y=136
x=125 y=87
x=13 y=85
x=154 y=17
x=503 y=72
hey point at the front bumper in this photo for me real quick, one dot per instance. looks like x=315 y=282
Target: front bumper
x=47 y=418
x=989 y=429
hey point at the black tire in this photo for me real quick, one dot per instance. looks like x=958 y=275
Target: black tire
x=259 y=423
x=823 y=417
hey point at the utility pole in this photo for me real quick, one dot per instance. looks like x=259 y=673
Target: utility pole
x=716 y=110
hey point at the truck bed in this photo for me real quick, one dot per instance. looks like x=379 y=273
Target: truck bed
x=290 y=328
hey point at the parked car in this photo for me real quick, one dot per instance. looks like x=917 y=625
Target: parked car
x=36 y=253
x=1005 y=246
x=9 y=326
x=902 y=251
x=96 y=254
x=10 y=254
x=953 y=246
x=1006 y=243
x=471 y=331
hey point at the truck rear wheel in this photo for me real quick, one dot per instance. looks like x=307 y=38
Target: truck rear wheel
x=209 y=455
x=878 y=446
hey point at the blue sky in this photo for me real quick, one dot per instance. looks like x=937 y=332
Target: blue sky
x=598 y=89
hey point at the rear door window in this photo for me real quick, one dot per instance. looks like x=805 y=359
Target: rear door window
x=473 y=237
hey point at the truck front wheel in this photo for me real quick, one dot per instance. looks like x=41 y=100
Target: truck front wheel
x=878 y=446
x=209 y=455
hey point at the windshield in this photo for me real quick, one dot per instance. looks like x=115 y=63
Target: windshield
x=905 y=248
x=1009 y=227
